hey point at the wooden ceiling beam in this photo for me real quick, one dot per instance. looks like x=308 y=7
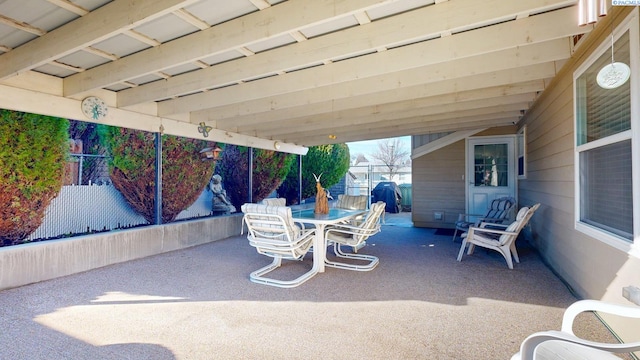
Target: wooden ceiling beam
x=427 y=80
x=375 y=108
x=100 y=24
x=421 y=23
x=345 y=96
x=415 y=128
x=369 y=116
x=270 y=22
x=511 y=35
x=69 y=6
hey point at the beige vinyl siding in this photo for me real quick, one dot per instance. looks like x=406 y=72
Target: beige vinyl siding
x=438 y=183
x=590 y=267
x=438 y=186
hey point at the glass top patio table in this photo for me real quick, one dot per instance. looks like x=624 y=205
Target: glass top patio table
x=308 y=216
x=334 y=216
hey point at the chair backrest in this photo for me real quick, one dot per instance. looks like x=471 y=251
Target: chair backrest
x=272 y=222
x=371 y=221
x=500 y=209
x=522 y=218
x=274 y=201
x=352 y=202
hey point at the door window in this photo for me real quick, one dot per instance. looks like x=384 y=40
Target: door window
x=491 y=165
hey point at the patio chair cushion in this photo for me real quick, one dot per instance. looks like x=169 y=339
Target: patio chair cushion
x=499 y=208
x=274 y=201
x=293 y=230
x=352 y=202
x=497 y=239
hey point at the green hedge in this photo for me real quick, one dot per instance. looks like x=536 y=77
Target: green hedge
x=132 y=170
x=33 y=154
x=270 y=169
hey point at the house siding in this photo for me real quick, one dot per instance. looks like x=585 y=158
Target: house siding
x=438 y=186
x=439 y=183
x=591 y=268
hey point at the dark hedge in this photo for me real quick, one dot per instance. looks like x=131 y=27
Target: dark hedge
x=33 y=154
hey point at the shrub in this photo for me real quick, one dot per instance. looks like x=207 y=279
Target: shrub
x=269 y=170
x=132 y=170
x=33 y=151
x=332 y=161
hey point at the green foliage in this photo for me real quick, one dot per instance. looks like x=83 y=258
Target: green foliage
x=33 y=152
x=184 y=174
x=332 y=161
x=232 y=167
x=132 y=170
x=270 y=168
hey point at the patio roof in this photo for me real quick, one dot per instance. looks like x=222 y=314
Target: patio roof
x=301 y=73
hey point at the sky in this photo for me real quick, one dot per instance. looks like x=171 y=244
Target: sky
x=369 y=147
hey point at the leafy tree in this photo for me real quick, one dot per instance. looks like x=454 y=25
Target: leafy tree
x=332 y=161
x=33 y=151
x=269 y=170
x=132 y=170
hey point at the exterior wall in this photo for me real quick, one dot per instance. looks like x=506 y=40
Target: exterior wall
x=590 y=267
x=439 y=183
x=438 y=186
x=39 y=261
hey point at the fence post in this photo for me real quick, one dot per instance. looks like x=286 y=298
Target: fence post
x=158 y=190
x=250 y=196
x=80 y=170
x=299 y=179
x=369 y=183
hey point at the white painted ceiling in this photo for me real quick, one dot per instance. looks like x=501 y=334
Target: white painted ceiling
x=303 y=72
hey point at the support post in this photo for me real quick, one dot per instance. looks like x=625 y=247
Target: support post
x=158 y=190
x=250 y=172
x=299 y=179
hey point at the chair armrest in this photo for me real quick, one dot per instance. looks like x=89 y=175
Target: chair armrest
x=353 y=230
x=492 y=231
x=484 y=225
x=594 y=305
x=490 y=219
x=529 y=345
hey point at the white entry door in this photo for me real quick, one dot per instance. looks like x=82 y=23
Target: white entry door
x=491 y=171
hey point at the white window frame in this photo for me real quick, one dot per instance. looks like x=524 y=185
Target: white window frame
x=521 y=145
x=630 y=24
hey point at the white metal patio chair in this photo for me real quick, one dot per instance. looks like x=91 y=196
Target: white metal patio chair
x=502 y=241
x=354 y=202
x=354 y=236
x=499 y=210
x=272 y=231
x=565 y=345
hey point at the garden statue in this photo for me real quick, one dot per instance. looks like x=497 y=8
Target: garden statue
x=322 y=202
x=219 y=203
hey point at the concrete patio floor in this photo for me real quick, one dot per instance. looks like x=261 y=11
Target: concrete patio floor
x=198 y=303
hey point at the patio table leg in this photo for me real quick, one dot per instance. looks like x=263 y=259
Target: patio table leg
x=319 y=249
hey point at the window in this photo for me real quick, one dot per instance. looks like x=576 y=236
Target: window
x=605 y=132
x=491 y=167
x=521 y=146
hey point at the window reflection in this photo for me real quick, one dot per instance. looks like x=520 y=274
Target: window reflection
x=491 y=165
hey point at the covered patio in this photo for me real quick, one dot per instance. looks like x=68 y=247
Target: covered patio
x=198 y=303
x=286 y=75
